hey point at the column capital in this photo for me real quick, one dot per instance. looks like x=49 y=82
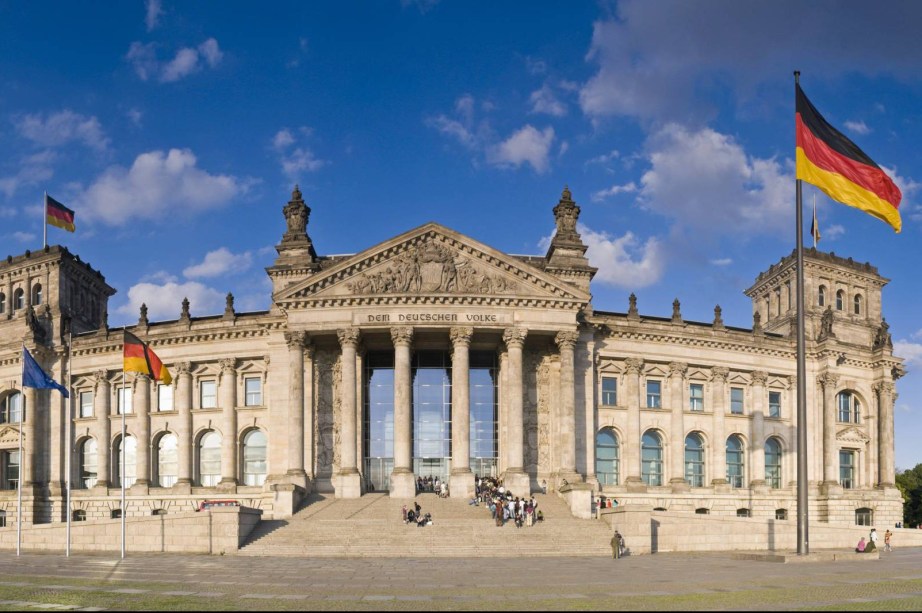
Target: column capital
x=759 y=377
x=633 y=365
x=348 y=337
x=141 y=377
x=295 y=338
x=514 y=337
x=720 y=374
x=678 y=369
x=828 y=380
x=228 y=365
x=566 y=339
x=101 y=376
x=461 y=335
x=884 y=387
x=402 y=335
x=182 y=368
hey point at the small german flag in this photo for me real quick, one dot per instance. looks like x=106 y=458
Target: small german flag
x=139 y=358
x=827 y=159
x=58 y=215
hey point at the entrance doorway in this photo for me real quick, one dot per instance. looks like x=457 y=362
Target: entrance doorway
x=378 y=474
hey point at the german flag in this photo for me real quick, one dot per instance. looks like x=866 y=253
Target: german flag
x=139 y=358
x=58 y=215
x=827 y=159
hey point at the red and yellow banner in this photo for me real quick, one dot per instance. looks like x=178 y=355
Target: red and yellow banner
x=58 y=215
x=827 y=159
x=139 y=358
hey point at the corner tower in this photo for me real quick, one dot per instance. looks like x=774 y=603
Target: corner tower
x=297 y=258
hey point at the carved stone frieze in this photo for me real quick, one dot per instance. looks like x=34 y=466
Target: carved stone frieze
x=326 y=426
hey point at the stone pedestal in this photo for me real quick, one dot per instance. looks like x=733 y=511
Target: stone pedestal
x=679 y=485
x=461 y=484
x=349 y=485
x=636 y=525
x=518 y=483
x=579 y=498
x=299 y=478
x=403 y=484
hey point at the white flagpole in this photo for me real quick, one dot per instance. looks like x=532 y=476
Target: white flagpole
x=45 y=222
x=70 y=451
x=123 y=397
x=815 y=227
x=22 y=407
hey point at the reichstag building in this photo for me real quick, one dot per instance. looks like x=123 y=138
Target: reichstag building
x=434 y=354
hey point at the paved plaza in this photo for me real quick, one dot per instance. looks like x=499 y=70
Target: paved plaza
x=659 y=582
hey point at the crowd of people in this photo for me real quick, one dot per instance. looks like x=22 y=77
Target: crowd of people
x=432 y=485
x=415 y=517
x=503 y=505
x=866 y=546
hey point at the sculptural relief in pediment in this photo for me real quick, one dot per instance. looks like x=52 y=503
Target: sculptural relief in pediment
x=852 y=435
x=430 y=268
x=9 y=436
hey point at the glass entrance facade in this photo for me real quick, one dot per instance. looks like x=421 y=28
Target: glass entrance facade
x=484 y=409
x=432 y=414
x=379 y=419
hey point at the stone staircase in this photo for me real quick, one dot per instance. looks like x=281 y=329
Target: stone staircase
x=372 y=526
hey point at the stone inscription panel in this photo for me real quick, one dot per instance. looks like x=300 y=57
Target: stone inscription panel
x=422 y=318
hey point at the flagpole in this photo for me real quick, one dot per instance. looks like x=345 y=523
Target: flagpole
x=70 y=451
x=803 y=542
x=123 y=396
x=815 y=228
x=22 y=407
x=45 y=222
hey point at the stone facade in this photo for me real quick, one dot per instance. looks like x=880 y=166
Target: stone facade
x=434 y=353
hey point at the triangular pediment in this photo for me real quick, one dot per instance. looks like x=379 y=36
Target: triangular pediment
x=9 y=436
x=852 y=435
x=427 y=262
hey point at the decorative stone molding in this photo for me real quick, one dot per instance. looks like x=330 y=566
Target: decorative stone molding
x=514 y=337
x=632 y=313
x=295 y=338
x=759 y=377
x=826 y=325
x=348 y=336
x=461 y=335
x=757 y=324
x=402 y=335
x=718 y=318
x=720 y=373
x=184 y=315
x=632 y=366
x=676 y=311
x=852 y=434
x=828 y=380
x=182 y=368
x=229 y=312
x=678 y=369
x=882 y=338
x=101 y=376
x=884 y=387
x=228 y=365
x=296 y=214
x=566 y=214
x=142 y=320
x=566 y=339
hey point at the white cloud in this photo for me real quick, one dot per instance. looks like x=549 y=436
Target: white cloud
x=858 y=127
x=911 y=352
x=295 y=162
x=832 y=232
x=61 y=128
x=282 y=139
x=605 y=158
x=722 y=262
x=454 y=129
x=705 y=180
x=158 y=186
x=135 y=116
x=33 y=170
x=526 y=146
x=164 y=300
x=535 y=66
x=545 y=101
x=614 y=190
x=623 y=261
x=152 y=14
x=24 y=237
x=219 y=262
x=187 y=61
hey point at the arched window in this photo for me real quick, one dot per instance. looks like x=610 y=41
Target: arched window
x=778 y=300
x=2 y=303
x=18 y=299
x=849 y=407
x=88 y=460
x=857 y=304
x=821 y=298
x=743 y=513
x=840 y=300
x=10 y=468
x=702 y=511
x=773 y=463
x=736 y=468
x=781 y=513
x=694 y=460
x=651 y=449
x=209 y=459
x=864 y=517
x=11 y=408
x=130 y=458
x=115 y=513
x=167 y=460
x=36 y=294
x=254 y=458
x=607 y=456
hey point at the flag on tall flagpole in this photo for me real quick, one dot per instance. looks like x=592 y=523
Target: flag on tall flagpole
x=58 y=215
x=33 y=375
x=827 y=159
x=815 y=227
x=139 y=358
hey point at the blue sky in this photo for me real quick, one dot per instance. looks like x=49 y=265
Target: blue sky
x=176 y=131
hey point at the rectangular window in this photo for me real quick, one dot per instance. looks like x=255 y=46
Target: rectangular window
x=774 y=404
x=696 y=397
x=654 y=394
x=208 y=395
x=609 y=391
x=847 y=469
x=124 y=401
x=253 y=387
x=164 y=397
x=86 y=404
x=736 y=400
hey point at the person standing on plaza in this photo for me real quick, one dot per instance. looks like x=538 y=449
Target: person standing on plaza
x=872 y=538
x=887 y=536
x=617 y=545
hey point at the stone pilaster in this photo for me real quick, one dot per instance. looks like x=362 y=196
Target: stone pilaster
x=515 y=477
x=566 y=342
x=141 y=405
x=183 y=403
x=348 y=480
x=462 y=478
x=228 y=395
x=719 y=376
x=757 y=434
x=886 y=470
x=403 y=481
x=29 y=448
x=677 y=371
x=296 y=473
x=101 y=410
x=633 y=376
x=830 y=449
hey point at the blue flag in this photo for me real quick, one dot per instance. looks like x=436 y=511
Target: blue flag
x=34 y=376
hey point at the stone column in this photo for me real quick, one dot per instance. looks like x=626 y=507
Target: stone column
x=886 y=471
x=27 y=463
x=296 y=473
x=830 y=455
x=403 y=481
x=141 y=405
x=184 y=443
x=633 y=376
x=308 y=449
x=718 y=435
x=350 y=481
x=462 y=478
x=228 y=396
x=757 y=434
x=677 y=372
x=101 y=410
x=515 y=477
x=566 y=342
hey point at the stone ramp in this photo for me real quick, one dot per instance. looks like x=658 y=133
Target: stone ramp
x=372 y=526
